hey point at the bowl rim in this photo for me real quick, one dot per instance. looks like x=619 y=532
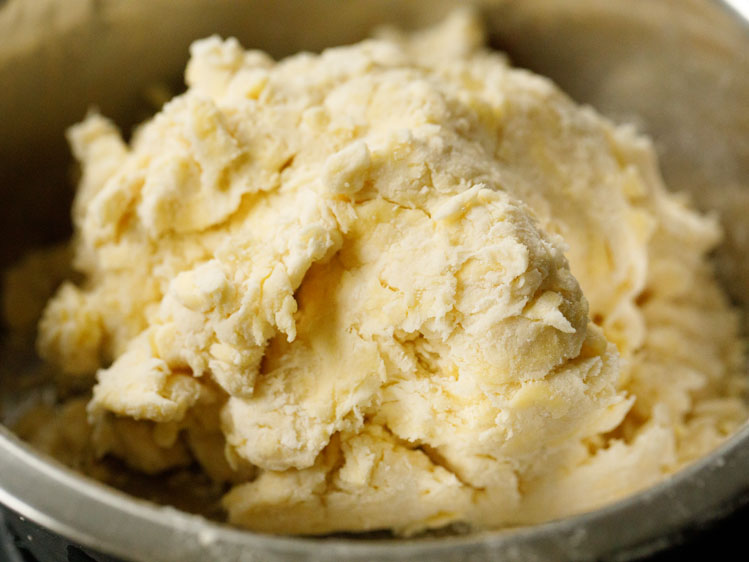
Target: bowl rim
x=94 y=515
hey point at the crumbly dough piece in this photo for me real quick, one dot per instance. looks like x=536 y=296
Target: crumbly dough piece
x=27 y=287
x=352 y=285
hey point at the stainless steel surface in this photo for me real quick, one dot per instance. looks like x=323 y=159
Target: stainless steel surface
x=96 y=516
x=677 y=68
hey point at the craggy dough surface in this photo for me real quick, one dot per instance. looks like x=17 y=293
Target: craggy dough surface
x=395 y=285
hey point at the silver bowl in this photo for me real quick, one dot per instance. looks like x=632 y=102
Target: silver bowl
x=679 y=69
